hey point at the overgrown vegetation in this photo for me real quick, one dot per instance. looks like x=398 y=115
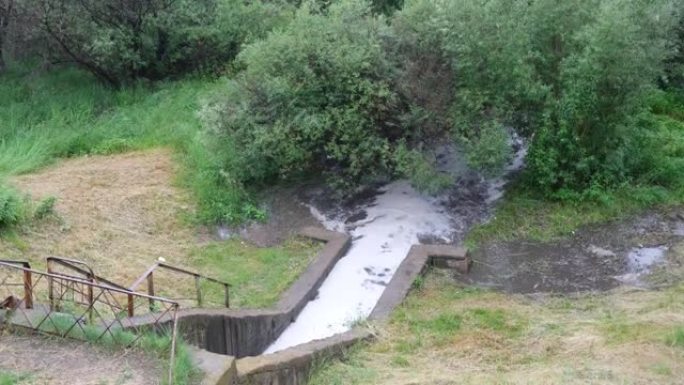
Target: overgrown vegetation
x=350 y=102
x=68 y=113
x=354 y=90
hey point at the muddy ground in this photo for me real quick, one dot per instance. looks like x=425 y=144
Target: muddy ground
x=53 y=361
x=594 y=258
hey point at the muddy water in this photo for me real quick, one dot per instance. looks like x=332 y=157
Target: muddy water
x=633 y=252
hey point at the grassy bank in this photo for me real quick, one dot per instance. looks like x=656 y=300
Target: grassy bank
x=446 y=334
x=66 y=113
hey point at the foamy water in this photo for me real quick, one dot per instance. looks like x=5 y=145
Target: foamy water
x=381 y=242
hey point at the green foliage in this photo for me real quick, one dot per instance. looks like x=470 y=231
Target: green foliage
x=421 y=171
x=64 y=113
x=490 y=149
x=314 y=97
x=572 y=76
x=607 y=65
x=153 y=39
x=10 y=206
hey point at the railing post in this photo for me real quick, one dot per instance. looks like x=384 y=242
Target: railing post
x=150 y=289
x=91 y=298
x=51 y=290
x=198 y=287
x=227 y=291
x=131 y=305
x=28 y=290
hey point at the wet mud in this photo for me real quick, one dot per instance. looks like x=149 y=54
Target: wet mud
x=644 y=251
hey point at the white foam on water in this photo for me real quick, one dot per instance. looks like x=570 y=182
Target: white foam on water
x=381 y=241
x=640 y=260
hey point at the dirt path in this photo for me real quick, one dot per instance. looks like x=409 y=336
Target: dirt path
x=43 y=361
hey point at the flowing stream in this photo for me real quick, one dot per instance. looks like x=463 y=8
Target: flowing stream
x=383 y=231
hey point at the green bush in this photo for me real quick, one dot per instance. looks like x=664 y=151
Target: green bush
x=315 y=97
x=609 y=65
x=572 y=76
x=11 y=205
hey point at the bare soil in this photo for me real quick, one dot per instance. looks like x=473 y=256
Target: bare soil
x=43 y=361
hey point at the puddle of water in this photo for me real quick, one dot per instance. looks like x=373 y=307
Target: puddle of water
x=640 y=261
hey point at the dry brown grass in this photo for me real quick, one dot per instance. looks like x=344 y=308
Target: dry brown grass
x=120 y=213
x=615 y=338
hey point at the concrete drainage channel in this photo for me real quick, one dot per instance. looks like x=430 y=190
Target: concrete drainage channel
x=230 y=342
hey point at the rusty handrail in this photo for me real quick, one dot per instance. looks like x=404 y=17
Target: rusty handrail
x=72 y=264
x=108 y=320
x=27 y=281
x=149 y=277
x=86 y=282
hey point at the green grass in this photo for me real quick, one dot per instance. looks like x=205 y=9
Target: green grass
x=258 y=275
x=444 y=331
x=65 y=112
x=676 y=337
x=157 y=344
x=9 y=378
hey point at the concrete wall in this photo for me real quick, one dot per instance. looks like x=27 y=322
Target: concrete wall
x=246 y=332
x=292 y=366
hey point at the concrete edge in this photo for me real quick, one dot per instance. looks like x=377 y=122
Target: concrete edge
x=292 y=366
x=218 y=369
x=414 y=265
x=306 y=286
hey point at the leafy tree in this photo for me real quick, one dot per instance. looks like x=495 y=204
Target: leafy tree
x=122 y=40
x=6 y=12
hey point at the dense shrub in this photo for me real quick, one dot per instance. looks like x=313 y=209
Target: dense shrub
x=317 y=96
x=675 y=65
x=572 y=76
x=601 y=71
x=10 y=206
x=338 y=91
x=122 y=40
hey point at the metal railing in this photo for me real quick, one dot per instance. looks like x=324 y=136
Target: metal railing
x=82 y=308
x=198 y=279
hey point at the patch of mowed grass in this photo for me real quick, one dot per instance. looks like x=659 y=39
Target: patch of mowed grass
x=258 y=275
x=496 y=320
x=675 y=337
x=10 y=378
x=65 y=112
x=439 y=311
